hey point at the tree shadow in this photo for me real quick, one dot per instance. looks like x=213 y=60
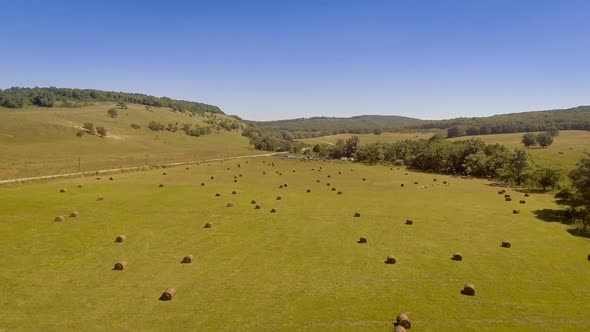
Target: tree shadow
x=551 y=215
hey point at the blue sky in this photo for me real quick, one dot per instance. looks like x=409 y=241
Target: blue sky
x=266 y=60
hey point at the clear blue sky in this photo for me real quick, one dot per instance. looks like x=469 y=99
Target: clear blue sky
x=278 y=59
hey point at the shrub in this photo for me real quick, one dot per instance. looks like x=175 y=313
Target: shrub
x=101 y=131
x=88 y=127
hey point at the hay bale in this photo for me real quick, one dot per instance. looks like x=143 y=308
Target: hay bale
x=62 y=190
x=508 y=199
x=281 y=187
x=435 y=179
x=100 y=198
x=217 y=194
x=229 y=205
x=168 y=294
x=317 y=181
x=279 y=198
x=444 y=182
x=402 y=185
x=253 y=201
x=58 y=219
x=357 y=215
x=234 y=192
x=403 y=320
x=399 y=328
x=120 y=265
x=212 y=177
x=263 y=173
x=257 y=207
x=111 y=178
x=202 y=184
x=308 y=190
x=80 y=186
x=121 y=238
x=589 y=257
x=285 y=185
x=526 y=195
x=98 y=178
x=515 y=211
x=457 y=257
x=506 y=244
x=187 y=168
x=468 y=289
x=328 y=184
x=74 y=214
x=273 y=210
x=208 y=225
x=390 y=260
x=329 y=176
x=506 y=195
x=339 y=172
x=161 y=185
x=409 y=222
x=522 y=201
x=501 y=192
x=187 y=259
x=339 y=193
x=164 y=173
x=235 y=181
x=364 y=179
x=333 y=189
x=416 y=182
x=362 y=239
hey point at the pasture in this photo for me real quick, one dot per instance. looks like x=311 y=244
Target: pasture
x=43 y=141
x=300 y=268
x=369 y=138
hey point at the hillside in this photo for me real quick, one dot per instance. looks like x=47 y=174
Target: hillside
x=42 y=141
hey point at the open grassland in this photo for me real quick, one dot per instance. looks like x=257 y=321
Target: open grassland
x=564 y=153
x=368 y=138
x=43 y=141
x=300 y=268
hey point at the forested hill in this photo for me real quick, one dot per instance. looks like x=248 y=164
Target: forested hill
x=62 y=97
x=577 y=118
x=321 y=126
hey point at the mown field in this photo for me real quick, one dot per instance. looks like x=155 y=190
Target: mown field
x=298 y=269
x=564 y=153
x=42 y=141
x=368 y=138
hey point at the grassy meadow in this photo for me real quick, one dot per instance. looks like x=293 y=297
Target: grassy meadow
x=298 y=269
x=387 y=137
x=43 y=141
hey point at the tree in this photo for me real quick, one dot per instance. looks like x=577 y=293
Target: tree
x=546 y=177
x=517 y=167
x=101 y=131
x=544 y=139
x=456 y=131
x=553 y=131
x=529 y=139
x=377 y=131
x=148 y=108
x=113 y=113
x=122 y=105
x=577 y=197
x=155 y=126
x=89 y=127
x=351 y=146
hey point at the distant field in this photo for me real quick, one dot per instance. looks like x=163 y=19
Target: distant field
x=42 y=141
x=368 y=138
x=566 y=150
x=298 y=269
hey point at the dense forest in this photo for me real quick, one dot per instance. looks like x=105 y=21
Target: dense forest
x=61 y=97
x=577 y=118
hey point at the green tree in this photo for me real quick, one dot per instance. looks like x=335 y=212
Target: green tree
x=517 y=167
x=377 y=131
x=122 y=105
x=113 y=113
x=544 y=139
x=577 y=197
x=101 y=131
x=89 y=127
x=529 y=139
x=351 y=146
x=546 y=177
x=456 y=131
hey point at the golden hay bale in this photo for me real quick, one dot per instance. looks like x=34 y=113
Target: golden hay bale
x=317 y=181
x=328 y=184
x=333 y=189
x=74 y=214
x=58 y=219
x=168 y=294
x=308 y=190
x=515 y=211
x=339 y=172
x=235 y=181
x=279 y=198
x=208 y=225
x=457 y=257
x=161 y=185
x=80 y=186
x=62 y=190
x=234 y=192
x=522 y=201
x=402 y=185
x=217 y=194
x=293 y=171
x=229 y=205
x=329 y=176
x=263 y=173
x=409 y=222
x=202 y=184
x=187 y=259
x=253 y=201
x=508 y=199
x=526 y=195
x=357 y=215
x=273 y=210
x=435 y=179
x=589 y=257
x=501 y=192
x=98 y=178
x=362 y=239
x=240 y=175
x=121 y=238
x=399 y=328
x=416 y=182
x=281 y=186
x=444 y=182
x=257 y=207
x=111 y=178
x=468 y=289
x=187 y=168
x=285 y=185
x=390 y=260
x=403 y=320
x=506 y=244
x=120 y=265
x=339 y=193
x=100 y=198
x=164 y=173
x=212 y=177
x=364 y=179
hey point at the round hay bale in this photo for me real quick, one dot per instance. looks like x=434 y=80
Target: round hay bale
x=98 y=178
x=522 y=201
x=229 y=205
x=253 y=201
x=308 y=190
x=506 y=195
x=235 y=176
x=364 y=179
x=435 y=179
x=409 y=222
x=508 y=199
x=329 y=176
x=526 y=195
x=212 y=177
x=293 y=171
x=468 y=289
x=202 y=184
x=357 y=215
x=121 y=238
x=390 y=260
x=403 y=320
x=362 y=239
x=208 y=225
x=281 y=186
x=402 y=185
x=515 y=211
x=234 y=192
x=506 y=244
x=263 y=173
x=257 y=207
x=279 y=198
x=228 y=168
x=187 y=259
x=416 y=182
x=339 y=193
x=74 y=214
x=457 y=257
x=161 y=185
x=120 y=265
x=285 y=185
x=80 y=186
x=187 y=168
x=62 y=190
x=339 y=172
x=328 y=184
x=168 y=294
x=164 y=173
x=100 y=198
x=273 y=210
x=589 y=257
x=217 y=194
x=501 y=192
x=58 y=219
x=111 y=178
x=235 y=181
x=280 y=173
x=240 y=175
x=317 y=181
x=399 y=328
x=333 y=189
x=444 y=182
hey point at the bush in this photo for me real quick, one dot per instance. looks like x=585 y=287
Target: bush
x=113 y=113
x=101 y=131
x=156 y=126
x=89 y=127
x=80 y=133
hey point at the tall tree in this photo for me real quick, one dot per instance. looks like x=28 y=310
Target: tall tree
x=529 y=139
x=544 y=139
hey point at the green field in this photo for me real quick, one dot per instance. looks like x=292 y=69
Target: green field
x=298 y=269
x=43 y=141
x=368 y=138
